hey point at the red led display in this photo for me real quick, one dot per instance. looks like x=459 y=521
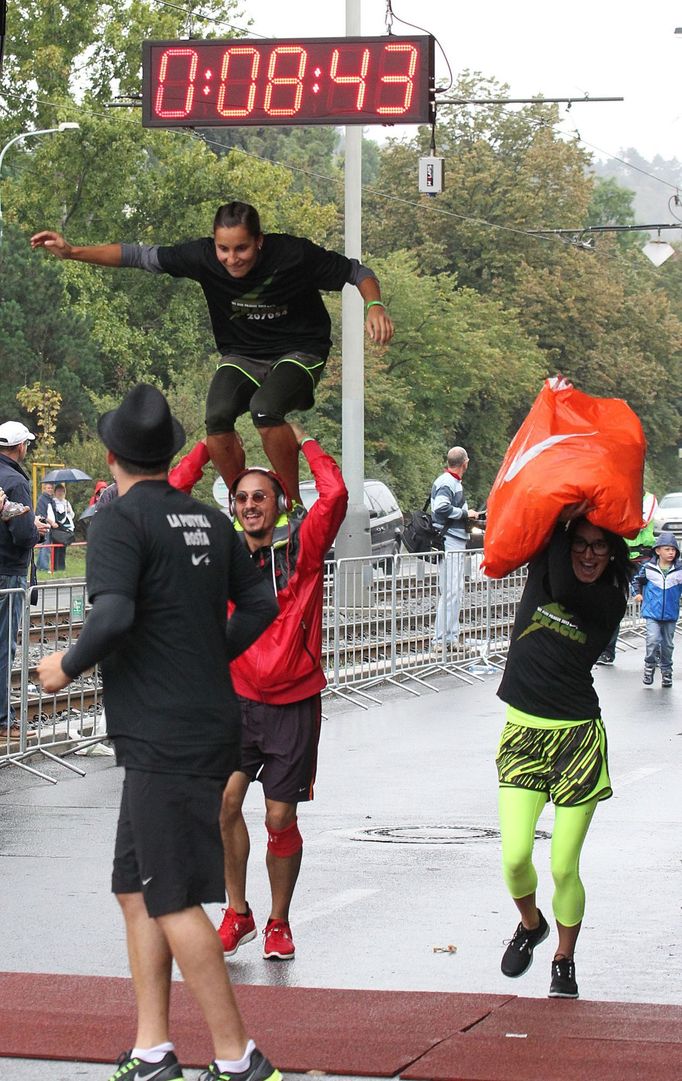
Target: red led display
x=241 y=81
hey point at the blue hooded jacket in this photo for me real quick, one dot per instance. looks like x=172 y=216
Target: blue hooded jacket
x=661 y=592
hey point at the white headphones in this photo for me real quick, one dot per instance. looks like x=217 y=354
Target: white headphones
x=283 y=499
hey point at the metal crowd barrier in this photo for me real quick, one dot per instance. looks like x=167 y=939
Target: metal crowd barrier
x=48 y=724
x=401 y=619
x=396 y=619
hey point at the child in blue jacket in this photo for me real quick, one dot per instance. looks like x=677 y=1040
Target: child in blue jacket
x=659 y=587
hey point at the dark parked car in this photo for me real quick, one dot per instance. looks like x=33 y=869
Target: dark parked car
x=385 y=516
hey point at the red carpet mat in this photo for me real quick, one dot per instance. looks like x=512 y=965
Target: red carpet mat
x=420 y=1036
x=549 y=1018
x=474 y=1058
x=374 y=1033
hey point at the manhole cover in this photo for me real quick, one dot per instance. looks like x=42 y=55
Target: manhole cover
x=432 y=835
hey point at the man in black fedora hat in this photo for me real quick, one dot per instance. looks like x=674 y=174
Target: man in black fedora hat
x=161 y=569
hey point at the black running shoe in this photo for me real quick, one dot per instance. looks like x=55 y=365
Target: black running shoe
x=259 y=1069
x=131 y=1068
x=648 y=677
x=518 y=956
x=563 y=983
x=666 y=679
x=606 y=658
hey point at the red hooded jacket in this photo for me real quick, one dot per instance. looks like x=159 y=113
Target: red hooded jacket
x=285 y=663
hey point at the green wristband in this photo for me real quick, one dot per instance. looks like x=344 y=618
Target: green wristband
x=371 y=303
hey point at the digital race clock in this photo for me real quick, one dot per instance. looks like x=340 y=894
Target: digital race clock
x=241 y=81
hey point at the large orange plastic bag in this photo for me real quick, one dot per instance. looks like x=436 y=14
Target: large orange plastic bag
x=570 y=447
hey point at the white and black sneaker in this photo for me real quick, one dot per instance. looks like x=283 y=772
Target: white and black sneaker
x=259 y=1069
x=563 y=983
x=518 y=956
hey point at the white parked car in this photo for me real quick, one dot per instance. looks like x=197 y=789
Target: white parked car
x=668 y=515
x=385 y=516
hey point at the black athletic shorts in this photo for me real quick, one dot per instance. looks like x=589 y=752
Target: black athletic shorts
x=168 y=843
x=267 y=389
x=279 y=747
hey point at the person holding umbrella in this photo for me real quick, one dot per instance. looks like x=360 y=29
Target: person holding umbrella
x=64 y=524
x=45 y=509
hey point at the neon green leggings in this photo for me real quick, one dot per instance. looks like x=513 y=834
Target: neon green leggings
x=520 y=810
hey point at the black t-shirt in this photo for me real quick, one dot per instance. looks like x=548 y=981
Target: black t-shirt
x=561 y=627
x=276 y=308
x=168 y=695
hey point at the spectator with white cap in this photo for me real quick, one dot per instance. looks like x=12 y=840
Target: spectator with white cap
x=18 y=535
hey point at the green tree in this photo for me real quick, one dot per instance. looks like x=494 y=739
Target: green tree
x=604 y=327
x=42 y=339
x=507 y=173
x=460 y=369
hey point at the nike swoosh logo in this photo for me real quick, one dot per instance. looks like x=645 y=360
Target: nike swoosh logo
x=137 y=1076
x=145 y=882
x=197 y=559
x=517 y=463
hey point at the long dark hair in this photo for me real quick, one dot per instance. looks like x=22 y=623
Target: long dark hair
x=620 y=566
x=231 y=214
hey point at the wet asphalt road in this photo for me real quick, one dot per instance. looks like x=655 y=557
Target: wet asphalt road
x=401 y=857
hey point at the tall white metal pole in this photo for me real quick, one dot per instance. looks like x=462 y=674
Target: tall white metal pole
x=354 y=537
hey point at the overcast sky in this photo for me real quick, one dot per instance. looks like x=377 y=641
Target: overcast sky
x=600 y=47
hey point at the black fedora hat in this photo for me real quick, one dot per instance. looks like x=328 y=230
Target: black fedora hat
x=142 y=429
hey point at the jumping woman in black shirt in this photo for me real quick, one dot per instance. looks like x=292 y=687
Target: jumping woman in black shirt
x=270 y=325
x=553 y=745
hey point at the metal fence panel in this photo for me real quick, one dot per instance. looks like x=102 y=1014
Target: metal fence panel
x=50 y=722
x=396 y=619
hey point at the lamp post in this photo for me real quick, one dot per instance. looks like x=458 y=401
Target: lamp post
x=67 y=125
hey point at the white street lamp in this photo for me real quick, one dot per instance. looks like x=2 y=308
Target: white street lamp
x=67 y=125
x=657 y=251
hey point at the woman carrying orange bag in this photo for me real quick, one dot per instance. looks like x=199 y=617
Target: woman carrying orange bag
x=553 y=746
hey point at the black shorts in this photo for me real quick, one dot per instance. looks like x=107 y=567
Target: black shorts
x=168 y=843
x=267 y=389
x=279 y=747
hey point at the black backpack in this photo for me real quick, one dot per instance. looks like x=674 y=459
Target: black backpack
x=420 y=534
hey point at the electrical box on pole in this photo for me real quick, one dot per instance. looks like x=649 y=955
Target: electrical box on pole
x=431 y=171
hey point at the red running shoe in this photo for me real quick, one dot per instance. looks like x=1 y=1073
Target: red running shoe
x=278 y=945
x=235 y=930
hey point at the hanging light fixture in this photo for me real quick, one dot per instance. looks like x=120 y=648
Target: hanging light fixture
x=657 y=251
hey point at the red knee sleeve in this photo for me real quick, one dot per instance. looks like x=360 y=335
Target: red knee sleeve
x=286 y=842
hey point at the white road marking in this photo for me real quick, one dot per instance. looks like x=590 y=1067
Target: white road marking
x=636 y=775
x=333 y=904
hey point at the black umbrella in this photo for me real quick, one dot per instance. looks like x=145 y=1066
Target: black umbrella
x=88 y=512
x=64 y=475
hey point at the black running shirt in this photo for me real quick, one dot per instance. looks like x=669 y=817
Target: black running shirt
x=168 y=696
x=277 y=307
x=561 y=627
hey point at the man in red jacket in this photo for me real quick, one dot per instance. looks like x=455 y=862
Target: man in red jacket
x=278 y=681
